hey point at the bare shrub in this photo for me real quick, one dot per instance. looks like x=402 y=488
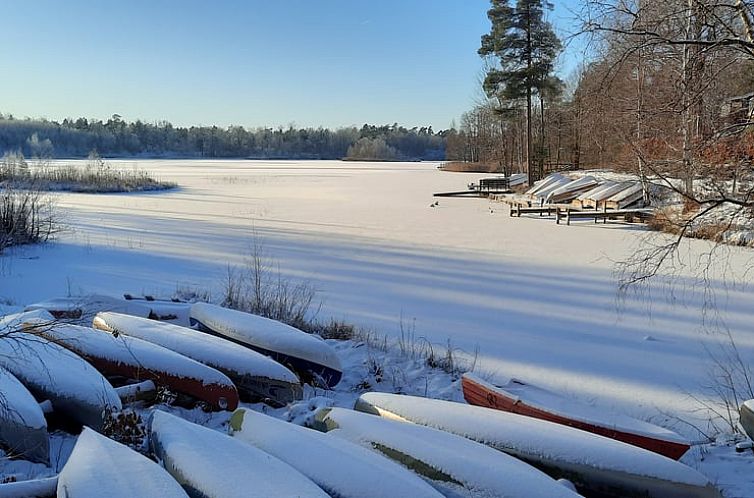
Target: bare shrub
x=259 y=287
x=26 y=217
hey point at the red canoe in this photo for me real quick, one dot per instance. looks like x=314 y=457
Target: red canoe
x=525 y=399
x=133 y=358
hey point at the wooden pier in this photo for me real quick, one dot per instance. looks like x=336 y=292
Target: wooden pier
x=628 y=215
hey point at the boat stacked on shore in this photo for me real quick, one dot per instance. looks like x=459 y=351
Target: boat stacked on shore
x=522 y=441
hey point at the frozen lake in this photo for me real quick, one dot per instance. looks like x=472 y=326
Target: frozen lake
x=538 y=300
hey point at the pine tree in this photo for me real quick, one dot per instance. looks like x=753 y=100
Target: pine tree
x=524 y=47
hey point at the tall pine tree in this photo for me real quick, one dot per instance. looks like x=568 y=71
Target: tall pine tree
x=524 y=47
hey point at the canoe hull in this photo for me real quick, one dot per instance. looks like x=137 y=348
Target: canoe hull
x=481 y=395
x=747 y=418
x=554 y=454
x=306 y=369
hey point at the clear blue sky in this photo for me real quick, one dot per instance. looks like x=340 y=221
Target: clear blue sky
x=251 y=63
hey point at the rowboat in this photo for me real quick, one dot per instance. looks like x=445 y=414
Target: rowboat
x=211 y=464
x=257 y=377
x=434 y=454
x=308 y=355
x=595 y=464
x=341 y=468
x=23 y=428
x=51 y=372
x=99 y=467
x=132 y=358
x=747 y=417
x=525 y=399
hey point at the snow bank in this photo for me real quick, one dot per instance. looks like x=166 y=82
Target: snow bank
x=45 y=486
x=283 y=342
x=141 y=360
x=208 y=463
x=440 y=456
x=100 y=467
x=53 y=373
x=341 y=468
x=590 y=461
x=23 y=428
x=256 y=376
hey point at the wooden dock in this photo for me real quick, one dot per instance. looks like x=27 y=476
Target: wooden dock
x=628 y=215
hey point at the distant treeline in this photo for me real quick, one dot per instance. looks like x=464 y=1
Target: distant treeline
x=116 y=137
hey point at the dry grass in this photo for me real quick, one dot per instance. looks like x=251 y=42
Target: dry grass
x=464 y=167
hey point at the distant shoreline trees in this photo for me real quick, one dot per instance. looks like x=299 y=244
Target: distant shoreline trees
x=116 y=137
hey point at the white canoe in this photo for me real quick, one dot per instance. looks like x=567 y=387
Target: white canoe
x=210 y=464
x=33 y=488
x=132 y=358
x=341 y=468
x=100 y=467
x=23 y=428
x=85 y=307
x=256 y=376
x=747 y=417
x=53 y=373
x=594 y=463
x=304 y=353
x=451 y=462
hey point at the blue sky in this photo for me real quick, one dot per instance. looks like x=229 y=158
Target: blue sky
x=251 y=63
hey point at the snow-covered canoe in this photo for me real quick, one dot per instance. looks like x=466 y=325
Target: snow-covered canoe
x=525 y=399
x=570 y=191
x=23 y=428
x=450 y=462
x=99 y=467
x=85 y=307
x=210 y=464
x=132 y=358
x=595 y=464
x=747 y=417
x=339 y=467
x=306 y=354
x=256 y=376
x=51 y=372
x=33 y=488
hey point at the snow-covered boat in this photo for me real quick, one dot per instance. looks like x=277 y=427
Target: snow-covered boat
x=747 y=417
x=571 y=190
x=51 y=372
x=208 y=463
x=132 y=358
x=450 y=462
x=339 y=467
x=33 y=488
x=306 y=354
x=257 y=377
x=85 y=307
x=632 y=194
x=525 y=399
x=595 y=464
x=23 y=428
x=99 y=467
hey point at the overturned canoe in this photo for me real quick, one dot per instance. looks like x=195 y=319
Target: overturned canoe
x=85 y=307
x=132 y=358
x=339 y=467
x=257 y=377
x=595 y=464
x=33 y=488
x=210 y=464
x=51 y=372
x=747 y=417
x=481 y=472
x=99 y=466
x=525 y=399
x=306 y=354
x=23 y=428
